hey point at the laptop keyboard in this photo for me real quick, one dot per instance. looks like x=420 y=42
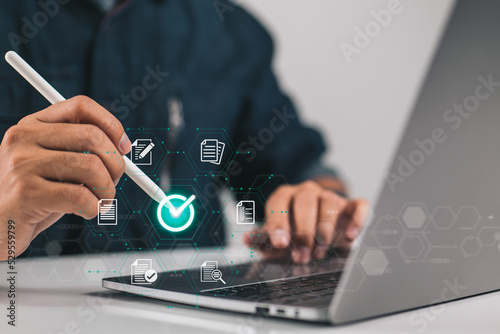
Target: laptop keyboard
x=314 y=290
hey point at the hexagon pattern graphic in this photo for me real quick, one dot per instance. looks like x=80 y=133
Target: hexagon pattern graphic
x=374 y=262
x=414 y=217
x=403 y=231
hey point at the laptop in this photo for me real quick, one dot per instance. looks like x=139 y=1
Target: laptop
x=434 y=235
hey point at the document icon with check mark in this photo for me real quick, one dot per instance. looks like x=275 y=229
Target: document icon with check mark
x=142 y=272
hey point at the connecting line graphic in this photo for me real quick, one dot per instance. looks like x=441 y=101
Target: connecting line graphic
x=186 y=306
x=174 y=208
x=269 y=178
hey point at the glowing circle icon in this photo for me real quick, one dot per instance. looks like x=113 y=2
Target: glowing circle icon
x=176 y=212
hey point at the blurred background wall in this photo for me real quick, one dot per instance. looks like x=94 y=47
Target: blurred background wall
x=359 y=99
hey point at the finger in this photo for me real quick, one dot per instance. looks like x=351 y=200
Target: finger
x=355 y=213
x=261 y=242
x=83 y=138
x=330 y=207
x=305 y=216
x=77 y=168
x=278 y=224
x=82 y=109
x=350 y=223
x=247 y=239
x=59 y=197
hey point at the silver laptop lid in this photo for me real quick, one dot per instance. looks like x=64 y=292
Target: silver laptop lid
x=435 y=235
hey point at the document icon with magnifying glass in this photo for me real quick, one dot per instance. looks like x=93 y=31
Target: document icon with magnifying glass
x=206 y=270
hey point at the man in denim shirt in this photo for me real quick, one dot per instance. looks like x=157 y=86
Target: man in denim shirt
x=201 y=64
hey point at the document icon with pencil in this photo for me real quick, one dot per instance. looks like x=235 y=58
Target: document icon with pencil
x=142 y=152
x=212 y=151
x=245 y=212
x=107 y=212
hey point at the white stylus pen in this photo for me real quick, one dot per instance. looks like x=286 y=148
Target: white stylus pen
x=53 y=96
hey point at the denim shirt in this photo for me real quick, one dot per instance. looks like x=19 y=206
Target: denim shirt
x=218 y=59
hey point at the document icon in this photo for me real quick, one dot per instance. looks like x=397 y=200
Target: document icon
x=212 y=151
x=141 y=153
x=206 y=270
x=142 y=272
x=245 y=212
x=107 y=212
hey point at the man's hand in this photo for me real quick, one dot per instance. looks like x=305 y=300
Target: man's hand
x=44 y=172
x=316 y=219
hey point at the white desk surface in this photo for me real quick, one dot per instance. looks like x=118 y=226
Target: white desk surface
x=57 y=295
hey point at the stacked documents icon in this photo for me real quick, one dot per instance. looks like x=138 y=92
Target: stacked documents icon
x=107 y=212
x=245 y=212
x=142 y=152
x=138 y=270
x=212 y=151
x=206 y=270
